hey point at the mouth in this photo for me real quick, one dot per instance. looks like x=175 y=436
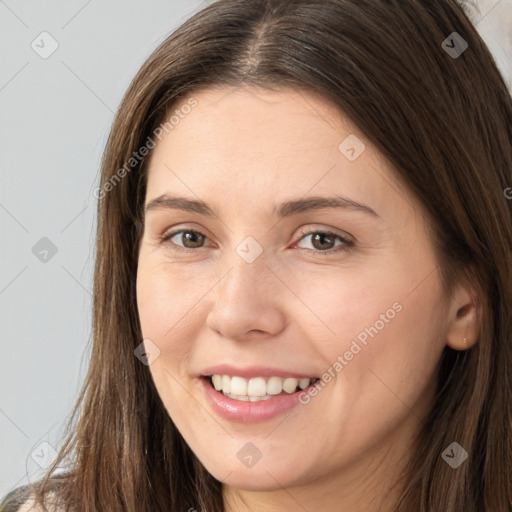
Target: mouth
x=256 y=389
x=254 y=393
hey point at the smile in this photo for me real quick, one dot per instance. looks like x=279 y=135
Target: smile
x=260 y=395
x=258 y=388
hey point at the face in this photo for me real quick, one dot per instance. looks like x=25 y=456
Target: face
x=306 y=265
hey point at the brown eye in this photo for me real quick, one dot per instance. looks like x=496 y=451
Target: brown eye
x=325 y=242
x=190 y=239
x=194 y=239
x=322 y=241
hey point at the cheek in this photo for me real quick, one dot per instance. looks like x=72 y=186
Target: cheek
x=340 y=305
x=166 y=303
x=166 y=299
x=390 y=345
x=379 y=330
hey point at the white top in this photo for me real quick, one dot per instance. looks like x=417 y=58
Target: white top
x=17 y=502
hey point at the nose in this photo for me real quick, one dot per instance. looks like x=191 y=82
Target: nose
x=247 y=302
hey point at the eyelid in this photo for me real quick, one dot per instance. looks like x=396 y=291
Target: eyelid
x=174 y=230
x=331 y=231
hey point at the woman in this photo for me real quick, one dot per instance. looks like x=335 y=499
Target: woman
x=303 y=296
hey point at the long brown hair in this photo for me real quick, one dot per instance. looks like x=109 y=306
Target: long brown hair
x=445 y=123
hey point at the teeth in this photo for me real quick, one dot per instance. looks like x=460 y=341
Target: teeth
x=304 y=383
x=274 y=385
x=257 y=388
x=226 y=384
x=238 y=386
x=217 y=382
x=290 y=385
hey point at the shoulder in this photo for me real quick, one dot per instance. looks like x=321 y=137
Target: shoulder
x=15 y=499
x=21 y=500
x=30 y=506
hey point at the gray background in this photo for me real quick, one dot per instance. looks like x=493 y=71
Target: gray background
x=55 y=117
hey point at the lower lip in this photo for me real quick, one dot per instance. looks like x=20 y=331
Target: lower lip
x=248 y=412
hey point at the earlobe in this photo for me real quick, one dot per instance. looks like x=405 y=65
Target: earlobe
x=464 y=321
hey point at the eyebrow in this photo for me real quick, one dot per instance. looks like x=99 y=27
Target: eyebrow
x=286 y=209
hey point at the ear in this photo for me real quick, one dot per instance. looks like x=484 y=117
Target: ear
x=464 y=319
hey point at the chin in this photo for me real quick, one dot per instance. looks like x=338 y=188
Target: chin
x=267 y=475
x=260 y=481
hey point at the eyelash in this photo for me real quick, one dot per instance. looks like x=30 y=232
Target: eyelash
x=347 y=244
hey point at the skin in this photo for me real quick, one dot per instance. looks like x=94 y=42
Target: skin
x=243 y=151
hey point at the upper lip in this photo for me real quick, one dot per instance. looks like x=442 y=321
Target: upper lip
x=253 y=371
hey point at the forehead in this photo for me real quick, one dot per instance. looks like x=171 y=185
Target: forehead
x=244 y=119
x=246 y=145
